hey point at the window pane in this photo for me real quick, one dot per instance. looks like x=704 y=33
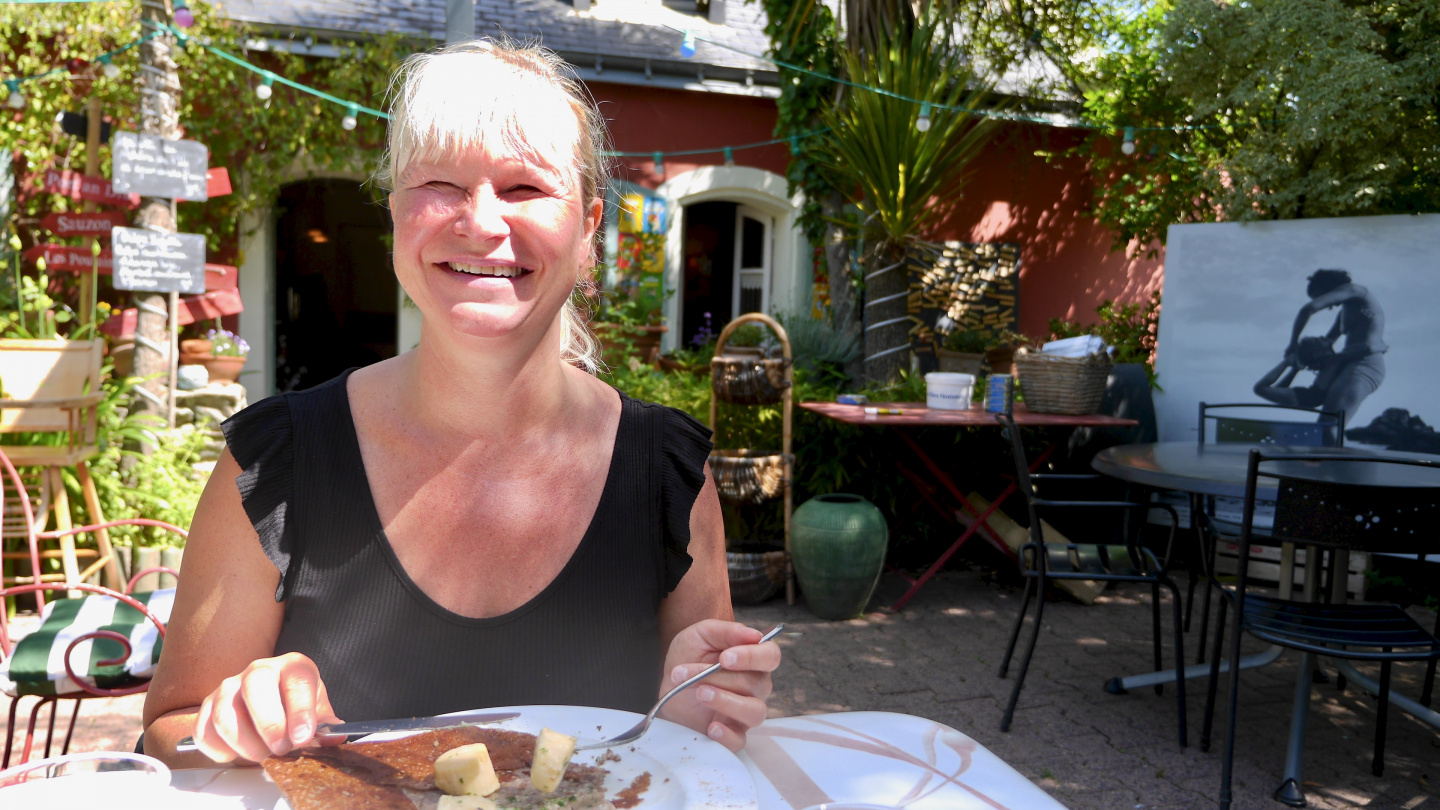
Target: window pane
x=752 y=243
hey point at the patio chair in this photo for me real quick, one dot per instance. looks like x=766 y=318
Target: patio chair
x=53 y=387
x=97 y=624
x=1380 y=506
x=1122 y=561
x=1313 y=429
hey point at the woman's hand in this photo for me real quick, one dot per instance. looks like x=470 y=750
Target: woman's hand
x=731 y=702
x=270 y=708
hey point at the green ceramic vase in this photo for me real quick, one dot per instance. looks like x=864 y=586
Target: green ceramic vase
x=837 y=543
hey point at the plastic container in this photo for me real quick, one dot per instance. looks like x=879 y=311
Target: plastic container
x=948 y=391
x=111 y=779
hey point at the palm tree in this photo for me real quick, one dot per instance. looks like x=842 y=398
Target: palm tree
x=901 y=162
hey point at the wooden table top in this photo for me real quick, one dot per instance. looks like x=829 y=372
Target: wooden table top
x=915 y=414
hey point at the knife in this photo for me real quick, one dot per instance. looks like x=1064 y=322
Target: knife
x=401 y=724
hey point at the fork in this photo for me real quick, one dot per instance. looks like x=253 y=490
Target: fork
x=635 y=732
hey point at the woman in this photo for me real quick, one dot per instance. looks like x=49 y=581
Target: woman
x=478 y=521
x=1360 y=365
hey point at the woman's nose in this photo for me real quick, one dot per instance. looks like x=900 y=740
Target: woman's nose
x=482 y=217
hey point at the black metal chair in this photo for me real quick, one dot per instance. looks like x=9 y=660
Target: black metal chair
x=1364 y=503
x=1319 y=429
x=1125 y=561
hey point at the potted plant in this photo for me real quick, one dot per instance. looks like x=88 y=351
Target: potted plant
x=694 y=358
x=746 y=341
x=629 y=324
x=221 y=352
x=962 y=351
x=1000 y=350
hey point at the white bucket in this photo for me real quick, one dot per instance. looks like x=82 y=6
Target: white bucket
x=948 y=391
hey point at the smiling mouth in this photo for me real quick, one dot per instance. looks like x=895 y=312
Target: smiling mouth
x=493 y=271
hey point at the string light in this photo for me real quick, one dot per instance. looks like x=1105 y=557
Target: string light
x=1128 y=145
x=923 y=122
x=729 y=156
x=183 y=17
x=266 y=88
x=659 y=159
x=350 y=121
x=108 y=67
x=14 y=100
x=687 y=45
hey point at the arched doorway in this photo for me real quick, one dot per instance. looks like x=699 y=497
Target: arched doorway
x=335 y=292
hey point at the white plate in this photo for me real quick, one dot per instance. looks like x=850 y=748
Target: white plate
x=688 y=771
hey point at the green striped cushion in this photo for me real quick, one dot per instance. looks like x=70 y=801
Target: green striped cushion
x=37 y=666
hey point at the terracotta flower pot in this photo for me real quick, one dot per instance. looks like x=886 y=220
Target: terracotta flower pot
x=222 y=369
x=196 y=346
x=960 y=362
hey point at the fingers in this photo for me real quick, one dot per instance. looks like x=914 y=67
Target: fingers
x=269 y=709
x=754 y=684
x=745 y=712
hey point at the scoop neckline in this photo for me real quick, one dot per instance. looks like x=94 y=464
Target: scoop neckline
x=382 y=539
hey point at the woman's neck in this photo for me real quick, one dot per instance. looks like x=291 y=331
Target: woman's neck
x=455 y=386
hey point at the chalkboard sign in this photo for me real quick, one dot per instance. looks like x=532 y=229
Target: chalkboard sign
x=159 y=167
x=158 y=262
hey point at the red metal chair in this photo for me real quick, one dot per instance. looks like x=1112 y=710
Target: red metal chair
x=9 y=474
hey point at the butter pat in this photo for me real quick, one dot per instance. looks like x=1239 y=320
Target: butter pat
x=553 y=751
x=466 y=771
x=466 y=803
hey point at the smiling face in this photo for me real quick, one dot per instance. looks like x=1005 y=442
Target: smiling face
x=493 y=227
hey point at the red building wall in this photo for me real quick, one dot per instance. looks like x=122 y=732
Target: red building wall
x=1067 y=265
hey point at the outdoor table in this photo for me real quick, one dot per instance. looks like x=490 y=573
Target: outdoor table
x=1220 y=470
x=914 y=415
x=877 y=758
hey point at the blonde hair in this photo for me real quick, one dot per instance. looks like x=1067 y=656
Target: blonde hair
x=448 y=100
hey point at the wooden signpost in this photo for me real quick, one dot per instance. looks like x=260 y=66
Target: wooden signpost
x=158 y=262
x=79 y=186
x=159 y=167
x=90 y=223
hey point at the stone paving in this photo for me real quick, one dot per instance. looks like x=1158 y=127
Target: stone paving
x=1087 y=748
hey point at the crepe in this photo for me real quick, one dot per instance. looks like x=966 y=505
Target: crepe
x=400 y=774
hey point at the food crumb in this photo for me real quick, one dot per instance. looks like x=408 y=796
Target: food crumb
x=608 y=756
x=630 y=796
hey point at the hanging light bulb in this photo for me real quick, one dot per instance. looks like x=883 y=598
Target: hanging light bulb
x=183 y=17
x=687 y=45
x=266 y=88
x=15 y=100
x=659 y=159
x=350 y=121
x=1128 y=145
x=923 y=122
x=108 y=67
x=729 y=156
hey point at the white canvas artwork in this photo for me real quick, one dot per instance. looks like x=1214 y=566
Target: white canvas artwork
x=1371 y=337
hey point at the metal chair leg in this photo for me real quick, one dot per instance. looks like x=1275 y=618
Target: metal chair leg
x=1190 y=599
x=10 y=732
x=1430 y=669
x=70 y=732
x=1019 y=621
x=1179 y=665
x=1025 y=660
x=50 y=731
x=1214 y=682
x=1227 y=763
x=1377 y=765
x=1155 y=632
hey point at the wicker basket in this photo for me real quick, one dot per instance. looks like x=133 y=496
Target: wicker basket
x=1072 y=385
x=755 y=576
x=747 y=380
x=748 y=476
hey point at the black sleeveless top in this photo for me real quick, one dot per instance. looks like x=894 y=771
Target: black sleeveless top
x=385 y=649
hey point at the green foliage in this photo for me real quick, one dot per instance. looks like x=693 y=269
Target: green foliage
x=1310 y=108
x=906 y=182
x=747 y=335
x=804 y=33
x=264 y=145
x=819 y=348
x=1130 y=328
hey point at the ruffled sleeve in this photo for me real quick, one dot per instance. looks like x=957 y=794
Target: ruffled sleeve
x=261 y=440
x=684 y=446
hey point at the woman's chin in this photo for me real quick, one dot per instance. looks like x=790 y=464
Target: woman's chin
x=485 y=321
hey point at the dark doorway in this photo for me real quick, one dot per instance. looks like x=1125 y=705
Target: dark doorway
x=709 y=267
x=335 y=289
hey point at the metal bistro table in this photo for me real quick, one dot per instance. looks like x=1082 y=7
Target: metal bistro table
x=915 y=415
x=1219 y=470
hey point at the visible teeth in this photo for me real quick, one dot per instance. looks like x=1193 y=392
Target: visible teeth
x=486 y=270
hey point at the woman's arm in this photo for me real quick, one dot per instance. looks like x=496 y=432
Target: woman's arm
x=217 y=679
x=697 y=630
x=1275 y=385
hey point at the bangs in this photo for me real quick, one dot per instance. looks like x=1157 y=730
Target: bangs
x=451 y=103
